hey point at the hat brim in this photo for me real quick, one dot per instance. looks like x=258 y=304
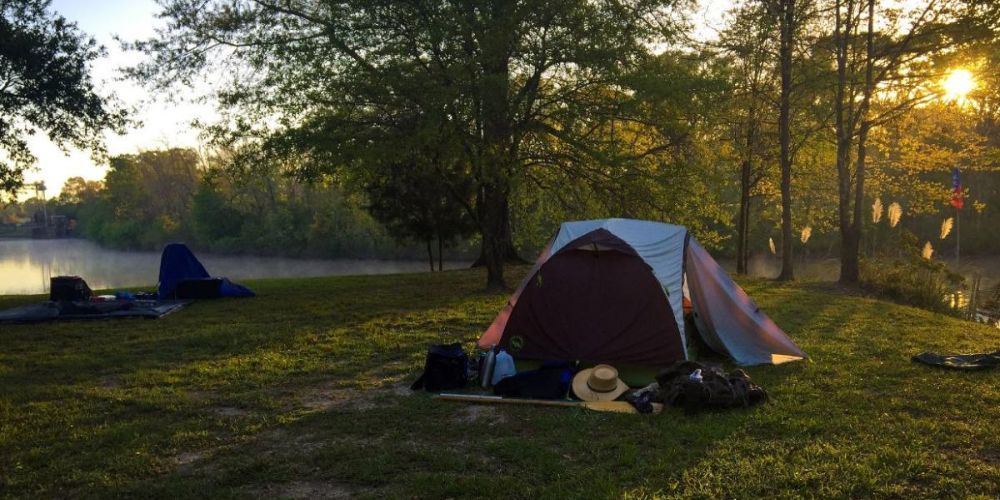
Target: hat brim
x=585 y=393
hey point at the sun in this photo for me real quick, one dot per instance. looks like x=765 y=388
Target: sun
x=958 y=84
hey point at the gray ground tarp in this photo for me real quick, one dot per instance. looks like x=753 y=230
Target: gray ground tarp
x=54 y=311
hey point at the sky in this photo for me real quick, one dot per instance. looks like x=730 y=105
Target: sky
x=162 y=124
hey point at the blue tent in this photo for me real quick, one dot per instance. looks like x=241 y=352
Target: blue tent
x=180 y=268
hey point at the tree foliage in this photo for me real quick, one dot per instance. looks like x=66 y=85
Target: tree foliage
x=155 y=197
x=45 y=87
x=512 y=87
x=490 y=122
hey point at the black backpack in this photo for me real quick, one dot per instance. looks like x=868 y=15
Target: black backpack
x=716 y=390
x=447 y=367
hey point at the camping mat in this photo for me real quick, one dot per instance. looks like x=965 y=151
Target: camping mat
x=960 y=361
x=53 y=311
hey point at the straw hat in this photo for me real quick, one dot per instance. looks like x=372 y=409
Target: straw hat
x=600 y=383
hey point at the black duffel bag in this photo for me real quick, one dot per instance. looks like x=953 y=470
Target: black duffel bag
x=446 y=368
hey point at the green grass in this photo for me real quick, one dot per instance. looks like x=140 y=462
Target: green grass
x=301 y=393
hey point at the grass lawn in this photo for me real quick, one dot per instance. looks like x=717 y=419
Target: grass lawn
x=302 y=392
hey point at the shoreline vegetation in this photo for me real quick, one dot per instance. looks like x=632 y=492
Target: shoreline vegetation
x=303 y=391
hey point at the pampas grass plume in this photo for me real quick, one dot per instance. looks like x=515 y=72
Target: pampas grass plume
x=895 y=212
x=946 y=227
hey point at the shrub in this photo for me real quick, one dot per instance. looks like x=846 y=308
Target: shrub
x=912 y=280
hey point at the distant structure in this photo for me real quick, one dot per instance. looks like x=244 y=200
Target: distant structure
x=44 y=225
x=40 y=188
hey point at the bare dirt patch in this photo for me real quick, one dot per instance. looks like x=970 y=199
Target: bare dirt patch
x=484 y=414
x=189 y=460
x=199 y=396
x=188 y=457
x=990 y=456
x=401 y=390
x=228 y=411
x=110 y=382
x=304 y=489
x=323 y=398
x=282 y=442
x=197 y=461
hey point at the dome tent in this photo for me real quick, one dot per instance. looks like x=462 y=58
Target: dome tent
x=611 y=291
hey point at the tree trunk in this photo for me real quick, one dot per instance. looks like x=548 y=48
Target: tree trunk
x=848 y=264
x=497 y=155
x=743 y=218
x=511 y=255
x=784 y=136
x=440 y=254
x=430 y=256
x=494 y=231
x=741 y=223
x=850 y=269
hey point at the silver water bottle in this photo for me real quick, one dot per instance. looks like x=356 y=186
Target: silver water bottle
x=487 y=372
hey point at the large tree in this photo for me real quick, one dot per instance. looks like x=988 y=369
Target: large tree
x=888 y=60
x=748 y=43
x=45 y=87
x=500 y=78
x=784 y=10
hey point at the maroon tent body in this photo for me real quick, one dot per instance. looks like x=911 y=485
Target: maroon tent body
x=611 y=291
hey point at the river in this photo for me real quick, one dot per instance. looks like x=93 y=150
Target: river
x=27 y=265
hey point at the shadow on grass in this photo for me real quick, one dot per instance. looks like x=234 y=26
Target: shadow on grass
x=300 y=393
x=225 y=373
x=220 y=370
x=404 y=444
x=218 y=330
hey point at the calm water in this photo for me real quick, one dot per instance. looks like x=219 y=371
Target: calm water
x=27 y=265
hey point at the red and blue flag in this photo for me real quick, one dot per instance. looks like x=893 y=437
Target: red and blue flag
x=957 y=198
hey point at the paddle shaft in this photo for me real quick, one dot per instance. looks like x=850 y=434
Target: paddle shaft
x=612 y=406
x=476 y=398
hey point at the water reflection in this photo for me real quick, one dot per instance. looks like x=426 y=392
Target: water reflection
x=27 y=265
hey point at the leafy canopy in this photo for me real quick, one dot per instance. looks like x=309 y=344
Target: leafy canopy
x=45 y=87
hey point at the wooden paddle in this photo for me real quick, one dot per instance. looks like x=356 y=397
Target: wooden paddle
x=612 y=406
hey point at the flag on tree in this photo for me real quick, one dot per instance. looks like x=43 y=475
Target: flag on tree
x=957 y=199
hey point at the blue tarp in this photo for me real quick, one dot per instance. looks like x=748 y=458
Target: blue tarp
x=178 y=264
x=229 y=289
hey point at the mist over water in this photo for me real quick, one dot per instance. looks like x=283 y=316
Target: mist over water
x=769 y=266
x=27 y=265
